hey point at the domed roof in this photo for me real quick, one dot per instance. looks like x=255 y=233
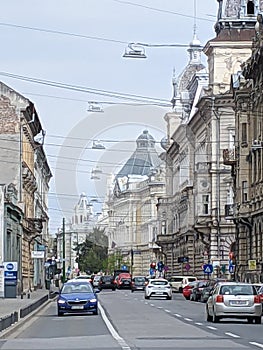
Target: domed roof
x=143 y=159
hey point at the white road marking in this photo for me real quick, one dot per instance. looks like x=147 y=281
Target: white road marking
x=213 y=328
x=232 y=335
x=256 y=344
x=198 y=323
x=159 y=307
x=112 y=330
x=177 y=315
x=188 y=319
x=152 y=304
x=167 y=310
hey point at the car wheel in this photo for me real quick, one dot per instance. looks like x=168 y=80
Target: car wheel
x=95 y=312
x=60 y=313
x=258 y=320
x=169 y=298
x=250 y=319
x=113 y=289
x=215 y=318
x=180 y=290
x=132 y=290
x=208 y=317
x=146 y=297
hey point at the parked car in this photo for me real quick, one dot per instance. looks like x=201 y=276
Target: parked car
x=260 y=293
x=187 y=290
x=77 y=297
x=84 y=278
x=138 y=283
x=107 y=282
x=197 y=290
x=96 y=280
x=234 y=300
x=123 y=280
x=158 y=287
x=179 y=282
x=205 y=293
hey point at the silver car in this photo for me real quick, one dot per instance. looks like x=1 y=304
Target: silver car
x=158 y=287
x=234 y=300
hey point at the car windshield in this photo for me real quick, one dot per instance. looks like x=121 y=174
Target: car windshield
x=159 y=283
x=76 y=288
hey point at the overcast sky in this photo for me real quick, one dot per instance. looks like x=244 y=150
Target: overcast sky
x=80 y=44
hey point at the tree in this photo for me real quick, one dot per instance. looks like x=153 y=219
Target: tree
x=93 y=251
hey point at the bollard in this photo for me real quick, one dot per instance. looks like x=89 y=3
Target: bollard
x=22 y=296
x=28 y=295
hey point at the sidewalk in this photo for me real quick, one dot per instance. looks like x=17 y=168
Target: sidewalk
x=12 y=310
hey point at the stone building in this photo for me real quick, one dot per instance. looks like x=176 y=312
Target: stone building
x=132 y=211
x=198 y=233
x=246 y=161
x=25 y=174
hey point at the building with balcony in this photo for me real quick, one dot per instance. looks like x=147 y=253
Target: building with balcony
x=26 y=175
x=201 y=150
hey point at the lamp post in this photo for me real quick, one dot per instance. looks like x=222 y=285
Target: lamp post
x=63 y=252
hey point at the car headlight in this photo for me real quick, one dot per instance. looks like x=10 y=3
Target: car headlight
x=93 y=300
x=61 y=301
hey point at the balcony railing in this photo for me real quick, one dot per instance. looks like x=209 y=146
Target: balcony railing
x=229 y=156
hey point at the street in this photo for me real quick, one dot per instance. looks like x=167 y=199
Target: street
x=127 y=321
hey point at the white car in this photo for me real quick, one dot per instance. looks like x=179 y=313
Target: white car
x=158 y=287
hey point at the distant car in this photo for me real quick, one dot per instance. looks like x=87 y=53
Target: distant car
x=107 y=282
x=87 y=278
x=187 y=290
x=234 y=300
x=96 y=280
x=197 y=290
x=123 y=281
x=158 y=287
x=205 y=293
x=178 y=282
x=138 y=283
x=77 y=297
x=260 y=293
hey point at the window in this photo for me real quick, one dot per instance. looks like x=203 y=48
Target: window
x=250 y=8
x=244 y=132
x=244 y=191
x=205 y=203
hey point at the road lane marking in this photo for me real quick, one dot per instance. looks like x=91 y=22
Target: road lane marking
x=232 y=335
x=213 y=328
x=256 y=344
x=188 y=319
x=198 y=323
x=177 y=315
x=159 y=307
x=112 y=330
x=167 y=310
x=152 y=304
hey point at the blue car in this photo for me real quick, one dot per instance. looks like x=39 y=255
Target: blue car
x=77 y=298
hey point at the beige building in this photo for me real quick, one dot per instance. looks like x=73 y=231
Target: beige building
x=197 y=232
x=132 y=210
x=25 y=167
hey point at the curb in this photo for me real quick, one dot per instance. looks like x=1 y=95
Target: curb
x=22 y=320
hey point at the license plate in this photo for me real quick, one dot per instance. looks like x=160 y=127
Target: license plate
x=238 y=302
x=107 y=282
x=77 y=307
x=159 y=293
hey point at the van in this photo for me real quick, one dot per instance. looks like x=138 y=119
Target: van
x=179 y=282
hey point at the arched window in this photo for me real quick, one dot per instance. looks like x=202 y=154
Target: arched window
x=250 y=7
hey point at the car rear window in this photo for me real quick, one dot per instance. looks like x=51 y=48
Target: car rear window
x=176 y=279
x=139 y=279
x=107 y=278
x=191 y=279
x=238 y=290
x=159 y=283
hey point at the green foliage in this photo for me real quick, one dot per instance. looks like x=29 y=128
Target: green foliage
x=93 y=251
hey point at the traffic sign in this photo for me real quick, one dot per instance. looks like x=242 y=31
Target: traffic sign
x=208 y=268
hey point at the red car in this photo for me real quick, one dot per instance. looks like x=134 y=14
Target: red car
x=187 y=290
x=123 y=280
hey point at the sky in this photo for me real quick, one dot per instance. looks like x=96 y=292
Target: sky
x=64 y=54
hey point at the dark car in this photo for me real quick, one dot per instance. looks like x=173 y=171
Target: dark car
x=76 y=298
x=210 y=286
x=107 y=282
x=197 y=290
x=138 y=283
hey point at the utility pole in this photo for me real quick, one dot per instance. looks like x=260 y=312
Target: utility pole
x=63 y=252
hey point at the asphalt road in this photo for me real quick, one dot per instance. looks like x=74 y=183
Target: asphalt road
x=129 y=322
